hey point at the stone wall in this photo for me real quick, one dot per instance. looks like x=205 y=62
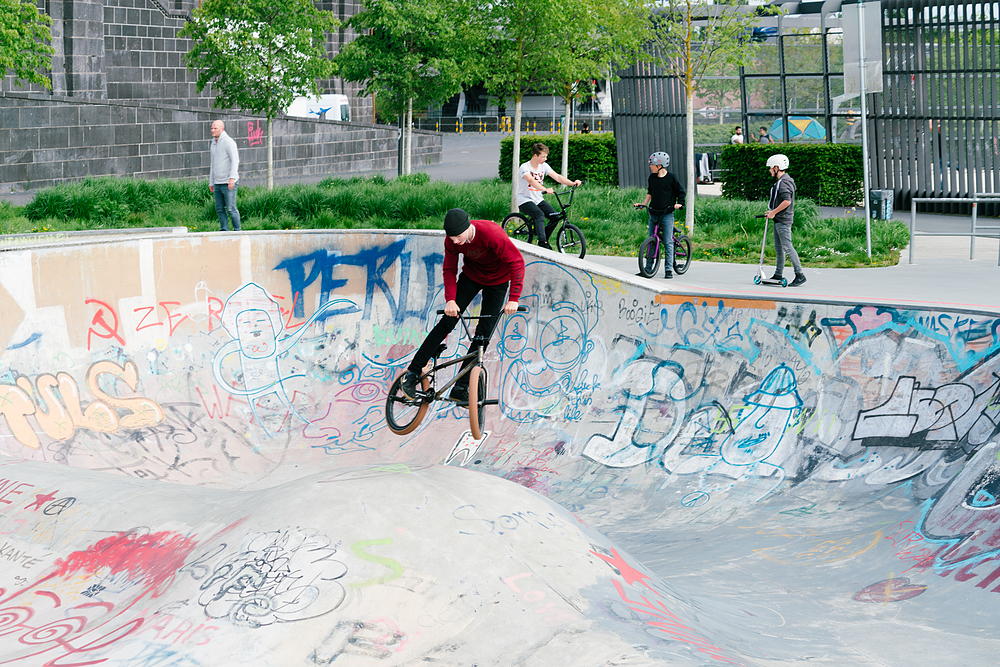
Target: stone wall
x=46 y=140
x=129 y=50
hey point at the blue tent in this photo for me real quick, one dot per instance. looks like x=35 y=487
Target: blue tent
x=808 y=127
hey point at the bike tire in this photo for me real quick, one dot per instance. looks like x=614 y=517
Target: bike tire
x=682 y=254
x=519 y=226
x=477 y=401
x=649 y=250
x=571 y=241
x=403 y=415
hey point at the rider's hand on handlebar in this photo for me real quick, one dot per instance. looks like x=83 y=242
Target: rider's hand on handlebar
x=577 y=182
x=451 y=309
x=510 y=308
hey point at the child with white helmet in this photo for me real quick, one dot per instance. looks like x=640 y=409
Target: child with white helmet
x=780 y=210
x=664 y=196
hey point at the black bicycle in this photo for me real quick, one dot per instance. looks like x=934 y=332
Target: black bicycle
x=569 y=239
x=403 y=414
x=651 y=252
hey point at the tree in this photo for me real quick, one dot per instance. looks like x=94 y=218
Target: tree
x=691 y=38
x=522 y=44
x=607 y=37
x=406 y=52
x=24 y=37
x=259 y=55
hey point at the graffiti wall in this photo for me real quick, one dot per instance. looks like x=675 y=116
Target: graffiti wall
x=247 y=362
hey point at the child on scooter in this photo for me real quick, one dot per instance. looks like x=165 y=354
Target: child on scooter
x=664 y=195
x=780 y=209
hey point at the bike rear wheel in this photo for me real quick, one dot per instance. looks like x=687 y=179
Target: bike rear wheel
x=519 y=226
x=477 y=401
x=649 y=257
x=571 y=241
x=403 y=415
x=682 y=254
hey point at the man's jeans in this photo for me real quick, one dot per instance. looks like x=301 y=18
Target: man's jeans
x=665 y=219
x=783 y=246
x=225 y=202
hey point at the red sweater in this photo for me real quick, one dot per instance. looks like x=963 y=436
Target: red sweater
x=490 y=259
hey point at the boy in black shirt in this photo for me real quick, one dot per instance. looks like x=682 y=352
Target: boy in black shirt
x=664 y=196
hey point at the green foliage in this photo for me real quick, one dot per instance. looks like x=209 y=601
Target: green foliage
x=405 y=50
x=592 y=157
x=726 y=228
x=832 y=174
x=24 y=37
x=110 y=200
x=259 y=55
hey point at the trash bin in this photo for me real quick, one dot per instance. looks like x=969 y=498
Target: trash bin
x=880 y=204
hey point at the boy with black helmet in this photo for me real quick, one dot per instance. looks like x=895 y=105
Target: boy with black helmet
x=781 y=209
x=664 y=195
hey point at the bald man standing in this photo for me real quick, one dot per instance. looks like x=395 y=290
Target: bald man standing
x=223 y=175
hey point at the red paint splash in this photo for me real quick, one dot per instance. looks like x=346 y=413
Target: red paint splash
x=151 y=559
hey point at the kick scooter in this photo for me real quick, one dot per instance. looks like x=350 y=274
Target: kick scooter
x=761 y=278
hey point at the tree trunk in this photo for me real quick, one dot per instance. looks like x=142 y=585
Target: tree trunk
x=408 y=139
x=517 y=153
x=567 y=119
x=270 y=154
x=692 y=179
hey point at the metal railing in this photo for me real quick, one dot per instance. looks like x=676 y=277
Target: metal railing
x=974 y=200
x=529 y=124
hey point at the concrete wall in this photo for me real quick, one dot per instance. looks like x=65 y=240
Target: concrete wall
x=45 y=141
x=841 y=444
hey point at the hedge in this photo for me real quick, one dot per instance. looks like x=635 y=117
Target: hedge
x=593 y=158
x=830 y=174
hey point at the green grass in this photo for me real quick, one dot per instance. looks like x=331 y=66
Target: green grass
x=726 y=230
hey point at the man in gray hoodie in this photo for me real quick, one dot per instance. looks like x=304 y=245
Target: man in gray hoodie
x=223 y=175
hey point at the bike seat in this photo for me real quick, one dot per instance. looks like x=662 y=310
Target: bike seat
x=440 y=350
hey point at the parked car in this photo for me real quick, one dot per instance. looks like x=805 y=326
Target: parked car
x=324 y=107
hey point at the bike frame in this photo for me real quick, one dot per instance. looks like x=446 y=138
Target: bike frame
x=656 y=233
x=559 y=220
x=477 y=356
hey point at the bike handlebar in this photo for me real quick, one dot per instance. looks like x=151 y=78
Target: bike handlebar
x=520 y=309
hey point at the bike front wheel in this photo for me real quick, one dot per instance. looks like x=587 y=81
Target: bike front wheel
x=403 y=415
x=649 y=257
x=571 y=241
x=477 y=401
x=519 y=226
x=682 y=254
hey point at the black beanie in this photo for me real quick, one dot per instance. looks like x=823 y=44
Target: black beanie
x=456 y=221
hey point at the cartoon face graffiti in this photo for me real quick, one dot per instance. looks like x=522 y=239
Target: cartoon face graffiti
x=255 y=334
x=758 y=432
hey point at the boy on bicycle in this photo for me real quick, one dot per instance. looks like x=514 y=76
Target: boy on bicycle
x=491 y=262
x=664 y=195
x=530 y=190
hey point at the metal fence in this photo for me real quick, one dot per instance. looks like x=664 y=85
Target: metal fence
x=935 y=125
x=529 y=124
x=934 y=129
x=975 y=230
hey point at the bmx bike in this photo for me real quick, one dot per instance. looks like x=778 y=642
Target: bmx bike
x=403 y=415
x=651 y=252
x=568 y=240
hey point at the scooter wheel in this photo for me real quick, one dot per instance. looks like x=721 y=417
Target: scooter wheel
x=756 y=280
x=784 y=282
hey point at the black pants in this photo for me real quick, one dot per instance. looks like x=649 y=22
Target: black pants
x=494 y=299
x=540 y=213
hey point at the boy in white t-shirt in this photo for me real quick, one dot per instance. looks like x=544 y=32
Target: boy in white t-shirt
x=530 y=190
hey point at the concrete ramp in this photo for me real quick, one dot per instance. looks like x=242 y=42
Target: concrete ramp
x=197 y=469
